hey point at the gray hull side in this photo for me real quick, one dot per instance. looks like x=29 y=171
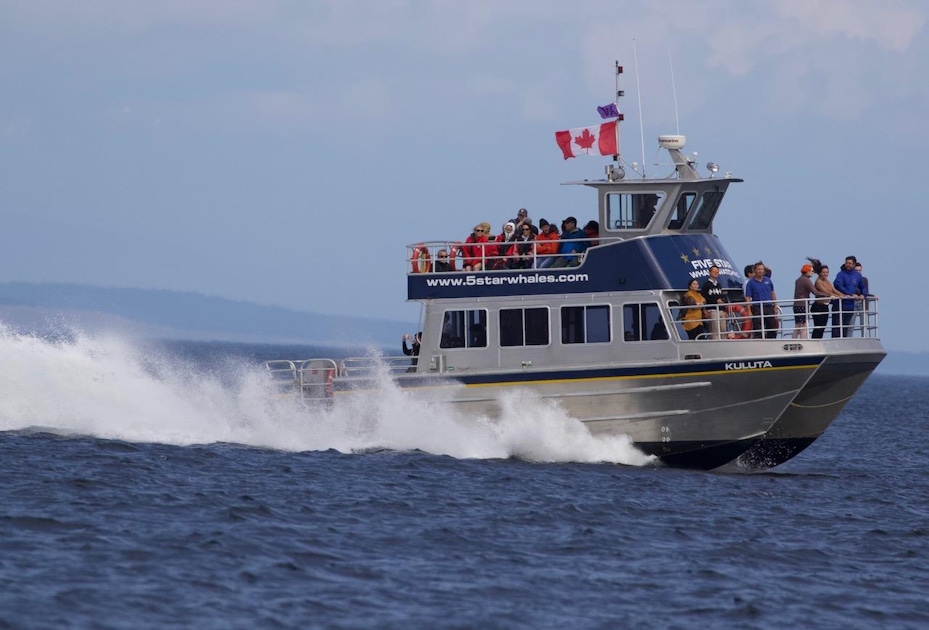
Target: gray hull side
x=809 y=414
x=700 y=419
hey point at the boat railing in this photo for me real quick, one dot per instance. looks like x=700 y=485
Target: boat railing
x=311 y=377
x=778 y=319
x=370 y=366
x=423 y=257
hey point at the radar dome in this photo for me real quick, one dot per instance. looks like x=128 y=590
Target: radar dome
x=672 y=142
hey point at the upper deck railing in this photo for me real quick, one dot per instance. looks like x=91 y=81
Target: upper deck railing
x=495 y=256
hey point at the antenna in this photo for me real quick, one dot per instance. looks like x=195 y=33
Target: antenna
x=677 y=119
x=638 y=91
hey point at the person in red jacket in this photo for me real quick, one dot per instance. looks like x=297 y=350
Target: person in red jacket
x=546 y=245
x=473 y=249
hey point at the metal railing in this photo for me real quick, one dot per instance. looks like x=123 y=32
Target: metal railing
x=776 y=319
x=311 y=377
x=423 y=257
x=370 y=366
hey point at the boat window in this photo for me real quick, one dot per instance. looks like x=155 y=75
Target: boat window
x=632 y=211
x=464 y=329
x=643 y=322
x=706 y=210
x=585 y=324
x=681 y=208
x=524 y=327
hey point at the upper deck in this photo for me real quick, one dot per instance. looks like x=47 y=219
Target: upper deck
x=653 y=234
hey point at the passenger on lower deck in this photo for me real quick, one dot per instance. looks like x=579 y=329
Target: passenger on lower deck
x=803 y=288
x=759 y=292
x=694 y=316
x=716 y=300
x=413 y=350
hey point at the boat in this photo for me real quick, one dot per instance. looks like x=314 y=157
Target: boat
x=603 y=337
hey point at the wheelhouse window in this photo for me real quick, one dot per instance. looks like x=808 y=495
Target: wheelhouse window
x=632 y=211
x=643 y=322
x=524 y=327
x=681 y=208
x=585 y=324
x=702 y=215
x=464 y=329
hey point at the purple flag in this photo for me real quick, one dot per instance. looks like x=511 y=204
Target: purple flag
x=608 y=111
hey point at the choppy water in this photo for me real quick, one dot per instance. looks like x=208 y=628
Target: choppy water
x=173 y=488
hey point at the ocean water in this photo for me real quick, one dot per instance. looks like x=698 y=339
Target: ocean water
x=154 y=486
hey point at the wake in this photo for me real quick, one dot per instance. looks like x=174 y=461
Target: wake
x=112 y=388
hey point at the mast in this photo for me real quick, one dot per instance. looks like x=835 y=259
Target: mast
x=619 y=93
x=615 y=171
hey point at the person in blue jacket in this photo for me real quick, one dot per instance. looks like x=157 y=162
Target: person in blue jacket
x=573 y=243
x=850 y=283
x=759 y=293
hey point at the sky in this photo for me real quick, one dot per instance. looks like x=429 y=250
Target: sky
x=285 y=152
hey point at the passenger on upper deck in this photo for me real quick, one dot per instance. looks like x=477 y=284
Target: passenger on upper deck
x=592 y=231
x=473 y=250
x=523 y=245
x=523 y=217
x=546 y=244
x=572 y=245
x=442 y=262
x=505 y=249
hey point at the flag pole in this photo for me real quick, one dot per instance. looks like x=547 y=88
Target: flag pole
x=619 y=151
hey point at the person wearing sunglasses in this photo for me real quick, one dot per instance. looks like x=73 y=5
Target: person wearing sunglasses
x=474 y=246
x=524 y=258
x=442 y=262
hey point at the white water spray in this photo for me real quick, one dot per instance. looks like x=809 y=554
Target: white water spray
x=110 y=388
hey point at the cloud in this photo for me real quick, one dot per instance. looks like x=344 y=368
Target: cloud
x=892 y=25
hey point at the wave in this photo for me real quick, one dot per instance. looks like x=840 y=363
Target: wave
x=111 y=387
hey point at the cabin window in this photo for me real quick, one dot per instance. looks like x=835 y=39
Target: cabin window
x=706 y=210
x=585 y=324
x=681 y=208
x=643 y=322
x=632 y=211
x=524 y=327
x=464 y=329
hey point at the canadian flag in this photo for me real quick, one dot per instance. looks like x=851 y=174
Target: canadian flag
x=596 y=140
